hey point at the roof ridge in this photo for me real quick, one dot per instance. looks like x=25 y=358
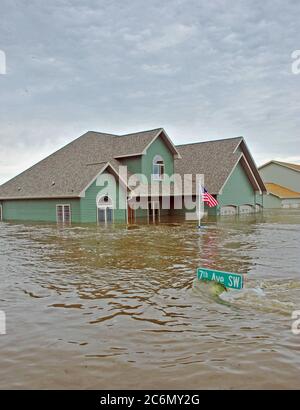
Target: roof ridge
x=209 y=141
x=140 y=132
x=104 y=133
x=290 y=165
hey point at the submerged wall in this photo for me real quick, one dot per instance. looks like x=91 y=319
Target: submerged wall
x=38 y=210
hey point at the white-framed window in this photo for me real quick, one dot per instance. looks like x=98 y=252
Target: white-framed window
x=1 y=213
x=158 y=168
x=105 y=210
x=63 y=213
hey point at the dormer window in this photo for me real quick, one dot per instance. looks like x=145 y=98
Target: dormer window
x=158 y=168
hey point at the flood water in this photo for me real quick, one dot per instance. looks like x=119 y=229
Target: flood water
x=95 y=307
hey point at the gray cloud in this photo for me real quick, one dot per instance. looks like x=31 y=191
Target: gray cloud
x=200 y=69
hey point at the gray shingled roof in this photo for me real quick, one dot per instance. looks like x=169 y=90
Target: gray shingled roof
x=214 y=159
x=135 y=143
x=69 y=170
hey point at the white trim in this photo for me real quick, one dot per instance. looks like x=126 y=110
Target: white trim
x=129 y=155
x=108 y=204
x=229 y=207
x=233 y=169
x=144 y=152
x=108 y=164
x=17 y=198
x=259 y=189
x=247 y=206
x=284 y=165
x=253 y=161
x=155 y=162
x=236 y=148
x=63 y=213
x=264 y=165
x=105 y=207
x=168 y=139
x=227 y=179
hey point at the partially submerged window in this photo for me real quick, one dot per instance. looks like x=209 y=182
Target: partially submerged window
x=63 y=213
x=105 y=212
x=158 y=168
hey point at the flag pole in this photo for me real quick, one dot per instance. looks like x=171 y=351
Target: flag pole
x=200 y=206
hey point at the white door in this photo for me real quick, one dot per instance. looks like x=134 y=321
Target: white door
x=105 y=212
x=228 y=210
x=246 y=209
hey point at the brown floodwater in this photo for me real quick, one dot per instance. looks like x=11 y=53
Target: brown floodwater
x=93 y=307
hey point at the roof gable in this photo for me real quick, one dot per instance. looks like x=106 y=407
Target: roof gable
x=294 y=167
x=216 y=160
x=137 y=143
x=67 y=172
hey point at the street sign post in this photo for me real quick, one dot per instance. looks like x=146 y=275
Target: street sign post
x=227 y=279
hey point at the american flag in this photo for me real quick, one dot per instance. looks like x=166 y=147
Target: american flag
x=208 y=198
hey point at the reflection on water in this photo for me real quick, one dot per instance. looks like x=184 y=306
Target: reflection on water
x=96 y=307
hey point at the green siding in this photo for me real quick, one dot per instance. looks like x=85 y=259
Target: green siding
x=38 y=210
x=158 y=147
x=272 y=201
x=133 y=164
x=88 y=205
x=259 y=198
x=238 y=190
x=83 y=210
x=280 y=175
x=144 y=165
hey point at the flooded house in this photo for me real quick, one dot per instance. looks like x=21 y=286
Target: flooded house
x=282 y=180
x=70 y=185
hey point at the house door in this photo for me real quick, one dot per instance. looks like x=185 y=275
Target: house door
x=105 y=212
x=153 y=212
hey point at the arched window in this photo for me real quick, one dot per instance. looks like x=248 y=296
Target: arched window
x=105 y=201
x=105 y=212
x=158 y=168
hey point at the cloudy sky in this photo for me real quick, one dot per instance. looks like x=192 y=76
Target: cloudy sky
x=200 y=69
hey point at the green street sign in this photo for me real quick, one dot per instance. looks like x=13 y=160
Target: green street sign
x=229 y=280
